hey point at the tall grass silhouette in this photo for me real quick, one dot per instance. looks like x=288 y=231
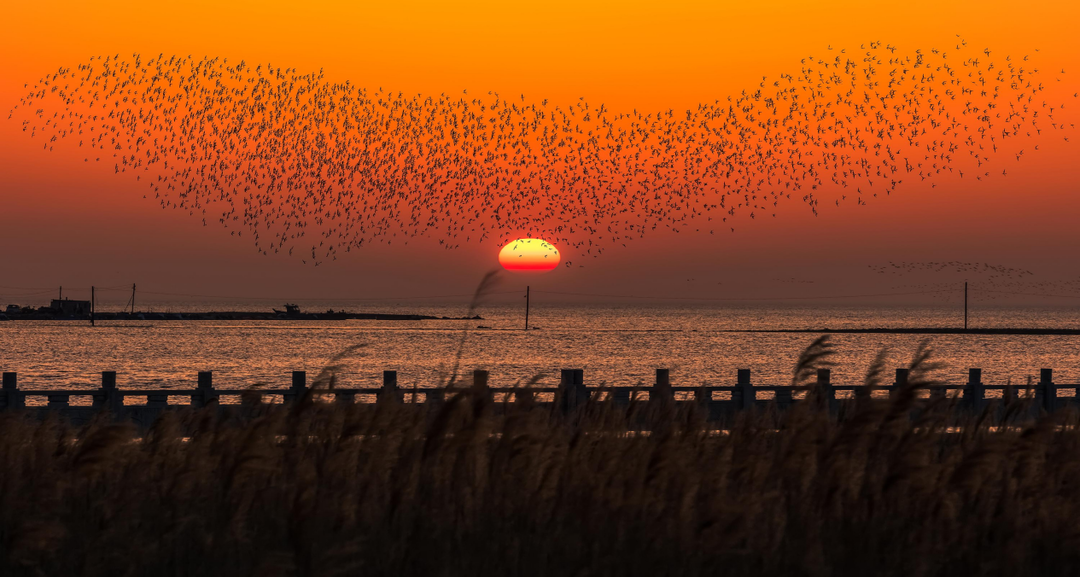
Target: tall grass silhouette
x=897 y=486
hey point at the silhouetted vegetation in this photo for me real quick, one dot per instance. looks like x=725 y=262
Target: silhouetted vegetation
x=475 y=488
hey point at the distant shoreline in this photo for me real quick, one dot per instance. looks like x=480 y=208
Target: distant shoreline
x=232 y=316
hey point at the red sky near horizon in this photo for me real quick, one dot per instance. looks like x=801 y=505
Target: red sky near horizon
x=77 y=223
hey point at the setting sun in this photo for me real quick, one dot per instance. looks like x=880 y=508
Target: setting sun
x=529 y=255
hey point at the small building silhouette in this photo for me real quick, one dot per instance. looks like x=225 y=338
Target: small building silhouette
x=70 y=307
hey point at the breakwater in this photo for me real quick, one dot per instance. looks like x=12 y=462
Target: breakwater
x=330 y=315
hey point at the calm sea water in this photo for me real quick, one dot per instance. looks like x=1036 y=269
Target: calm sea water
x=613 y=344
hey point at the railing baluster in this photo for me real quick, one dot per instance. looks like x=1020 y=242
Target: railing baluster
x=703 y=398
x=157 y=401
x=524 y=396
x=58 y=400
x=783 y=397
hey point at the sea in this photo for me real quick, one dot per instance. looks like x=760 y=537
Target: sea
x=614 y=344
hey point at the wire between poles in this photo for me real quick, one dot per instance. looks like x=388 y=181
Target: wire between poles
x=745 y=298
x=1028 y=294
x=320 y=299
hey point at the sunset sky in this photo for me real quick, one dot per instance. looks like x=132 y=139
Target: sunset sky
x=66 y=221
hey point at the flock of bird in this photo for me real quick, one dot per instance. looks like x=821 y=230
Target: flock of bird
x=296 y=162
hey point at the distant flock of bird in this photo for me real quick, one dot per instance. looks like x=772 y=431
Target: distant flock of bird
x=297 y=163
x=982 y=269
x=989 y=281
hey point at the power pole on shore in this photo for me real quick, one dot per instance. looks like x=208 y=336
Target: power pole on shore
x=965 y=306
x=92 y=300
x=132 y=298
x=61 y=295
x=527 y=307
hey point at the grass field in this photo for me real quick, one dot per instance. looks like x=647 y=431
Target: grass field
x=317 y=489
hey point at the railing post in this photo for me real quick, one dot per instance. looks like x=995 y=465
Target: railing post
x=744 y=390
x=571 y=389
x=12 y=398
x=902 y=381
x=112 y=399
x=206 y=392
x=389 y=393
x=1047 y=390
x=824 y=383
x=99 y=399
x=565 y=399
x=661 y=392
x=975 y=393
x=480 y=384
x=297 y=387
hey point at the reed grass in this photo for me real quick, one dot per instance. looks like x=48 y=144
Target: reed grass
x=475 y=488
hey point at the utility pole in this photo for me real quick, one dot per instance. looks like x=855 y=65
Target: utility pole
x=61 y=295
x=132 y=298
x=92 y=301
x=965 y=306
x=527 y=307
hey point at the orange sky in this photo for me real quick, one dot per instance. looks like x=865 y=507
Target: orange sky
x=79 y=224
